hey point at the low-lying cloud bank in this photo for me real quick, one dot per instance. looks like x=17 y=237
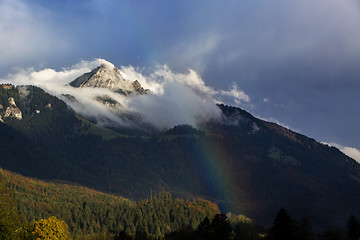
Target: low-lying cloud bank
x=175 y=98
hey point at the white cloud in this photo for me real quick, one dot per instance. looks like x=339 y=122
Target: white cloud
x=177 y=105
x=175 y=98
x=130 y=73
x=163 y=74
x=350 y=151
x=238 y=95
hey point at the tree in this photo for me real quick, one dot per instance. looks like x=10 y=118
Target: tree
x=221 y=227
x=283 y=227
x=331 y=234
x=51 y=228
x=218 y=229
x=186 y=233
x=122 y=236
x=10 y=224
x=141 y=235
x=246 y=231
x=204 y=230
x=303 y=230
x=353 y=227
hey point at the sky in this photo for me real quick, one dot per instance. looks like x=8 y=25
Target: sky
x=293 y=62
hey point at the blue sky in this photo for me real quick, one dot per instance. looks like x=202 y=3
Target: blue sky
x=298 y=61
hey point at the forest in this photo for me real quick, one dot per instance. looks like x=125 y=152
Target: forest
x=33 y=209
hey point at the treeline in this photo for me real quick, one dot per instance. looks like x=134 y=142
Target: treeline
x=284 y=227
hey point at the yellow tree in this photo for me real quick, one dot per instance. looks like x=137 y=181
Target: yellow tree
x=51 y=228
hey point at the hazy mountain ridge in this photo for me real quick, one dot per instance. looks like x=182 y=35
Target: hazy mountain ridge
x=270 y=166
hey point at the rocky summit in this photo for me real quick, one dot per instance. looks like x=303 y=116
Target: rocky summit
x=108 y=76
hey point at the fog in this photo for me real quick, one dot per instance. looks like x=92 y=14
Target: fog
x=173 y=99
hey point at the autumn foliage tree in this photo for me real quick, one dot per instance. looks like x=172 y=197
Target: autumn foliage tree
x=51 y=228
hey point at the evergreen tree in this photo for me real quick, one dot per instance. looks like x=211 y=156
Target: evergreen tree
x=10 y=224
x=141 y=235
x=331 y=234
x=246 y=231
x=283 y=227
x=353 y=227
x=204 y=230
x=187 y=233
x=122 y=236
x=303 y=230
x=218 y=229
x=221 y=227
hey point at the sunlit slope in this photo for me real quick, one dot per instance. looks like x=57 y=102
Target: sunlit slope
x=86 y=210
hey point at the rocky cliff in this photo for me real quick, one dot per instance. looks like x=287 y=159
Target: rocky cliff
x=12 y=111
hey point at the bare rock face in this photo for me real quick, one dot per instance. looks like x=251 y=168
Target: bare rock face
x=12 y=101
x=136 y=85
x=138 y=88
x=106 y=76
x=108 y=101
x=12 y=110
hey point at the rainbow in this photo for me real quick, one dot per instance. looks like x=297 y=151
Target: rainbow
x=214 y=166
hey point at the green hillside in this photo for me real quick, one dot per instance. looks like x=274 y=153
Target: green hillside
x=88 y=211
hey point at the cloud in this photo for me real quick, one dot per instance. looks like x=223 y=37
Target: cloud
x=177 y=105
x=238 y=95
x=26 y=33
x=163 y=74
x=350 y=151
x=175 y=98
x=130 y=73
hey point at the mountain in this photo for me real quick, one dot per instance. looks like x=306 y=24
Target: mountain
x=109 y=77
x=242 y=163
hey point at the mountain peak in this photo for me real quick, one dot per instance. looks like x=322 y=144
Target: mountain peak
x=109 y=77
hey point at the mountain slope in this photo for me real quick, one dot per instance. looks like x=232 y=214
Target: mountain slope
x=244 y=164
x=87 y=211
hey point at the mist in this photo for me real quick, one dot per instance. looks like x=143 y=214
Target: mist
x=174 y=98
